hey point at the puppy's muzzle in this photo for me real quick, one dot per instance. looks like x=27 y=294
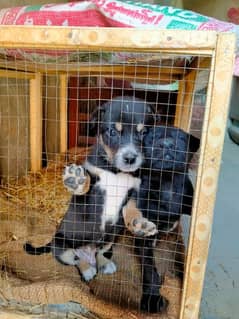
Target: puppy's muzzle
x=167 y=149
x=130 y=158
x=167 y=143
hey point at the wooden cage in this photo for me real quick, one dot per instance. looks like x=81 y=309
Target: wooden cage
x=210 y=51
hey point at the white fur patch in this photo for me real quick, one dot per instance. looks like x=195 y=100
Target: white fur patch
x=86 y=253
x=119 y=158
x=68 y=257
x=116 y=187
x=108 y=268
x=89 y=273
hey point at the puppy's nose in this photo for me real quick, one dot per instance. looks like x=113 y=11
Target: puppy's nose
x=130 y=158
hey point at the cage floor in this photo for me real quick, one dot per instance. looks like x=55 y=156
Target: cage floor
x=29 y=211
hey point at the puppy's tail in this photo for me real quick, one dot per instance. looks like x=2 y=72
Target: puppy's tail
x=31 y=250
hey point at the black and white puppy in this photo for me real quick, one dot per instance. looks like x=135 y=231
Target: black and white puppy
x=166 y=193
x=95 y=218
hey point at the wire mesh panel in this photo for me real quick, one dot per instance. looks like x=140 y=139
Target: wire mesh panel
x=109 y=155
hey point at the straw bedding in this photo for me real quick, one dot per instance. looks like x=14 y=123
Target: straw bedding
x=30 y=209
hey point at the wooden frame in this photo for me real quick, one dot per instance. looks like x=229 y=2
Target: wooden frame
x=215 y=120
x=220 y=49
x=85 y=38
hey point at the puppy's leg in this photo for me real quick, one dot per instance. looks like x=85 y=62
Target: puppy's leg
x=83 y=259
x=136 y=223
x=151 y=301
x=86 y=262
x=104 y=264
x=70 y=257
x=87 y=271
x=76 y=179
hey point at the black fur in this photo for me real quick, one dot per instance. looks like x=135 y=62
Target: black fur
x=82 y=223
x=37 y=251
x=166 y=192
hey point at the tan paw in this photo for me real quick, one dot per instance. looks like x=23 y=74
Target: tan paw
x=142 y=227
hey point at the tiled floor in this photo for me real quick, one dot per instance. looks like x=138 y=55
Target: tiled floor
x=221 y=292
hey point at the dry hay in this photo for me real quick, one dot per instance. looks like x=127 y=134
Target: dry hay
x=42 y=192
x=31 y=210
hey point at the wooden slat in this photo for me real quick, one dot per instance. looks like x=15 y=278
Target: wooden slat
x=213 y=132
x=76 y=67
x=85 y=38
x=184 y=101
x=140 y=78
x=63 y=111
x=186 y=92
x=179 y=104
x=141 y=74
x=187 y=107
x=36 y=122
x=16 y=74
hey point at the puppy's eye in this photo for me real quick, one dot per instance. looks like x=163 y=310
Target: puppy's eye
x=143 y=131
x=112 y=132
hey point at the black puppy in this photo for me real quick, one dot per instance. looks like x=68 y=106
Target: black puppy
x=165 y=193
x=95 y=218
x=168 y=151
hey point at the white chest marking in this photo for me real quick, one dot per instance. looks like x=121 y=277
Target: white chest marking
x=116 y=187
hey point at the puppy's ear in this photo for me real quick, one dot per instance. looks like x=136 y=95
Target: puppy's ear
x=95 y=120
x=194 y=144
x=155 y=117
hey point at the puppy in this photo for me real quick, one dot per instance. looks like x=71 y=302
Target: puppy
x=95 y=219
x=165 y=193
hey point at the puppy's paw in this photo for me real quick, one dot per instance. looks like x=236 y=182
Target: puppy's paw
x=89 y=273
x=142 y=227
x=76 y=180
x=108 y=268
x=153 y=303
